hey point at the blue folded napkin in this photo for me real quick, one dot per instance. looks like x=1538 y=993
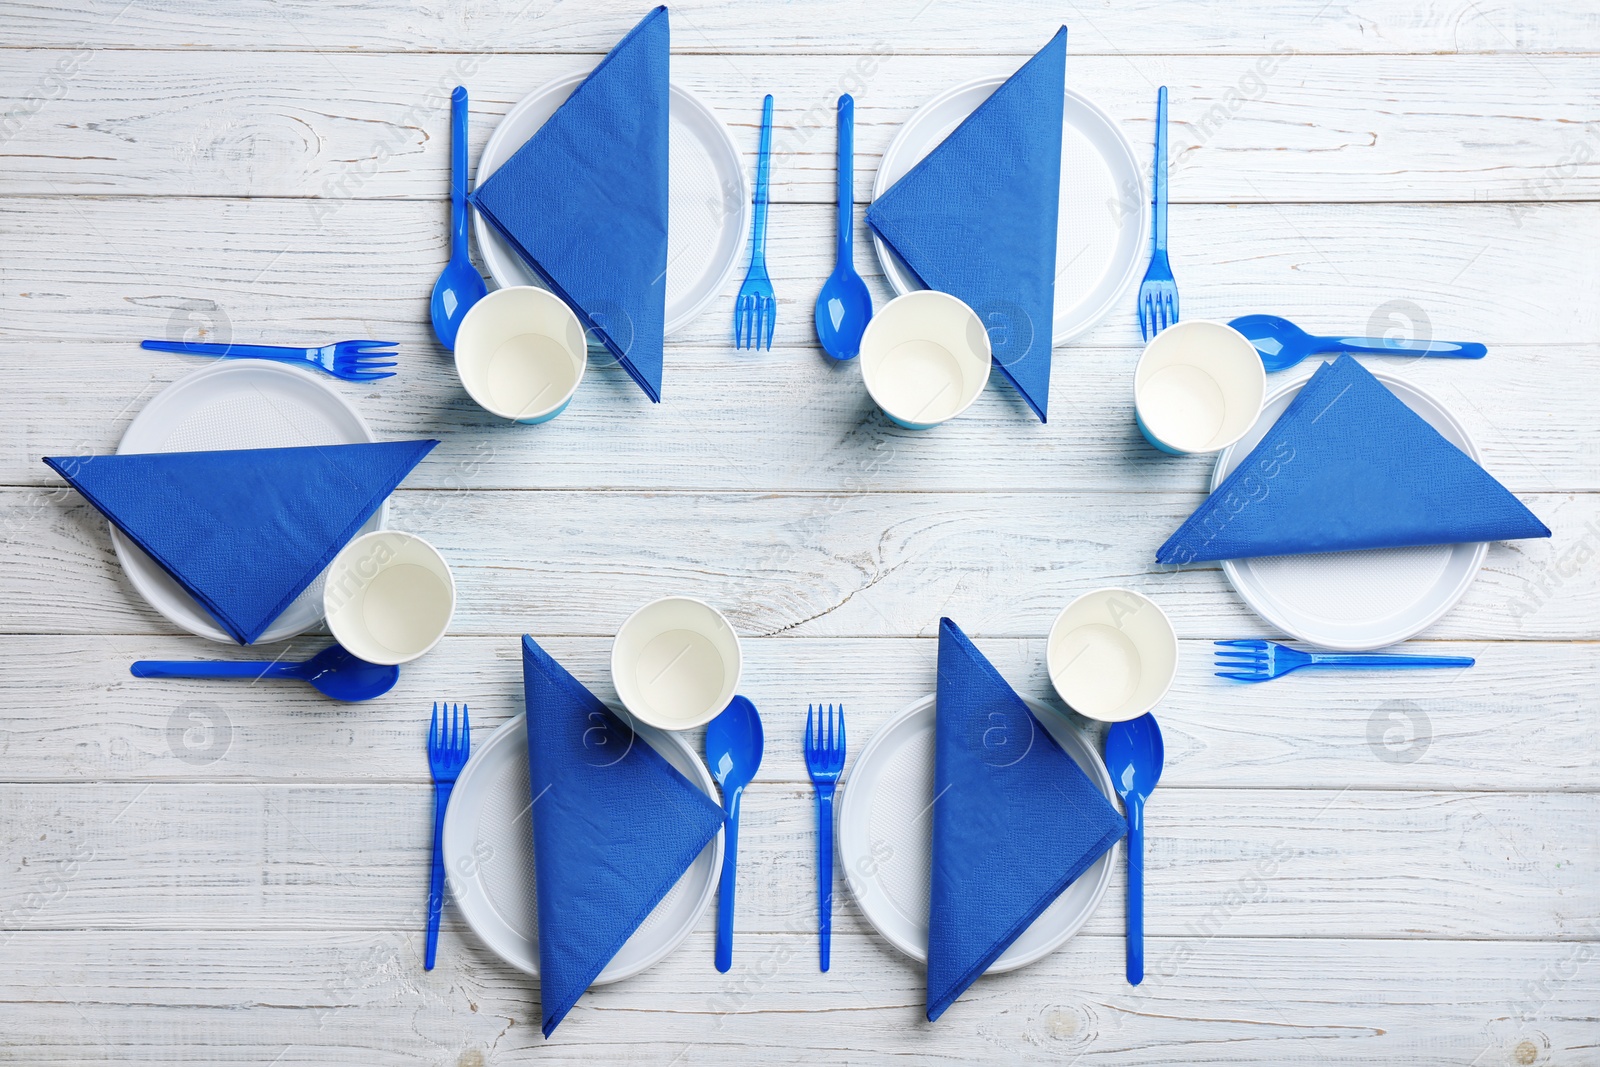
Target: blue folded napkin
x=614 y=828
x=584 y=201
x=976 y=217
x=1015 y=820
x=243 y=531
x=1347 y=466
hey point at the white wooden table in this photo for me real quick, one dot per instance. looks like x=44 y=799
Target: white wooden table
x=1385 y=869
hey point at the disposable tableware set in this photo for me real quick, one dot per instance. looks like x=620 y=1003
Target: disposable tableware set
x=248 y=504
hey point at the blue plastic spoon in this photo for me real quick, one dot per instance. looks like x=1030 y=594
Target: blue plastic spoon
x=844 y=307
x=1282 y=344
x=733 y=750
x=333 y=671
x=1134 y=755
x=459 y=285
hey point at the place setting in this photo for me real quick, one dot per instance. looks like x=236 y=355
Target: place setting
x=583 y=839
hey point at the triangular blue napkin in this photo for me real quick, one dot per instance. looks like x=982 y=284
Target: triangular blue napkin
x=243 y=531
x=976 y=217
x=1015 y=820
x=584 y=201
x=1347 y=466
x=614 y=828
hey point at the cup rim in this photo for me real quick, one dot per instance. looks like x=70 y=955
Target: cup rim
x=450 y=582
x=732 y=687
x=924 y=294
x=1260 y=376
x=1049 y=644
x=555 y=406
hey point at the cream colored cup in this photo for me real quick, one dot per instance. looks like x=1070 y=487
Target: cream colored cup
x=1198 y=387
x=1112 y=654
x=520 y=353
x=676 y=663
x=389 y=597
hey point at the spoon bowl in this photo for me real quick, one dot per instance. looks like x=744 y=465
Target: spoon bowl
x=1134 y=755
x=1281 y=344
x=734 y=741
x=459 y=285
x=844 y=307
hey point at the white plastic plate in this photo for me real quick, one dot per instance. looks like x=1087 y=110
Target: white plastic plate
x=488 y=856
x=886 y=837
x=237 y=403
x=1353 y=601
x=708 y=209
x=1103 y=228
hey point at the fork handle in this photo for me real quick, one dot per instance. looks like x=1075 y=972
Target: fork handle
x=1159 y=215
x=825 y=870
x=1381 y=347
x=441 y=800
x=758 y=233
x=1334 y=659
x=232 y=351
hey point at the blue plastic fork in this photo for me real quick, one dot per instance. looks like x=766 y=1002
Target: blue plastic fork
x=354 y=361
x=1158 y=294
x=825 y=761
x=1259 y=661
x=449 y=742
x=755 y=314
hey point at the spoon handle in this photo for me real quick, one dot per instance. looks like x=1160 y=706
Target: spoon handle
x=847 y=197
x=160 y=668
x=458 y=173
x=730 y=863
x=1383 y=347
x=1135 y=890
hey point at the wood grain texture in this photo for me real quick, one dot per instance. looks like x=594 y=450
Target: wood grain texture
x=76 y=716
x=1283 y=126
x=121 y=269
x=311 y=998
x=794 y=420
x=1380 y=868
x=726 y=27
x=846 y=564
x=257 y=856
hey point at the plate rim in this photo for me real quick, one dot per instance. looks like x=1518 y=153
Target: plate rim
x=487 y=239
x=1101 y=777
x=1480 y=549
x=121 y=544
x=891 y=273
x=610 y=973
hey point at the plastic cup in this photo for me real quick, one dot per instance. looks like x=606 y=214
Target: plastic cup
x=389 y=597
x=1198 y=387
x=925 y=357
x=676 y=663
x=1112 y=654
x=520 y=354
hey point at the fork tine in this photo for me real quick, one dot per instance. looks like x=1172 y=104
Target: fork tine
x=770 y=319
x=1172 y=303
x=1243 y=643
x=466 y=729
x=809 y=725
x=357 y=377
x=828 y=745
x=433 y=727
x=1241 y=676
x=368 y=364
x=841 y=730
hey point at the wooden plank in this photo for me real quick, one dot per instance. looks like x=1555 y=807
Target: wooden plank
x=806 y=565
x=795 y=421
x=124 y=268
x=1318 y=863
x=724 y=26
x=310 y=998
x=74 y=715
x=1278 y=127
